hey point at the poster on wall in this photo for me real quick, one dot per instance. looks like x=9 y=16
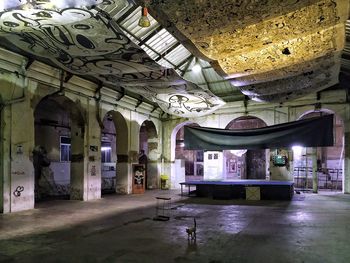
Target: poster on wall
x=232 y=166
x=139 y=178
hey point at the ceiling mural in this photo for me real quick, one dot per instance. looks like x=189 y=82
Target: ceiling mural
x=308 y=67
x=265 y=41
x=86 y=41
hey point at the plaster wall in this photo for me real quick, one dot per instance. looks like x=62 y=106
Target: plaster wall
x=17 y=143
x=19 y=96
x=346 y=164
x=270 y=113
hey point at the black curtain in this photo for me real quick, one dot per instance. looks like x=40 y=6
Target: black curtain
x=312 y=132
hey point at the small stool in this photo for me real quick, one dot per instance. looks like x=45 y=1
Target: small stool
x=163 y=203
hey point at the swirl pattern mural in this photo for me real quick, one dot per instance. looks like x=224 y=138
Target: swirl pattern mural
x=86 y=41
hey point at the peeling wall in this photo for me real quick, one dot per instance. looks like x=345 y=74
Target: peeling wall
x=270 y=113
x=20 y=95
x=274 y=43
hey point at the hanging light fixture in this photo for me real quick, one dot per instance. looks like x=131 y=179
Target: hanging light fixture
x=144 y=21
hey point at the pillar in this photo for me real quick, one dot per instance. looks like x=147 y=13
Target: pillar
x=346 y=165
x=93 y=152
x=17 y=171
x=153 y=163
x=78 y=189
x=125 y=157
x=314 y=171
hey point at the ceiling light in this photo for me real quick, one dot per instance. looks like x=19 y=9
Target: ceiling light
x=297 y=149
x=196 y=68
x=106 y=148
x=144 y=21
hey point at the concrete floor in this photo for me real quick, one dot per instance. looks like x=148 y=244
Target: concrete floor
x=311 y=228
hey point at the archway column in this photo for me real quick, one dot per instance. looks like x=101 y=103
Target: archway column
x=86 y=157
x=92 y=158
x=314 y=171
x=17 y=132
x=346 y=167
x=169 y=167
x=125 y=157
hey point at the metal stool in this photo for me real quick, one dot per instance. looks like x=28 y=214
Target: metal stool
x=163 y=204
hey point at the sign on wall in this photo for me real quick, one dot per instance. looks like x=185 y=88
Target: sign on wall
x=139 y=178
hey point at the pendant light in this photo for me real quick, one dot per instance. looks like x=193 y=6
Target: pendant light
x=144 y=21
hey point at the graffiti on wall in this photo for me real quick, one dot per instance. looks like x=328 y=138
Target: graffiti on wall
x=18 y=191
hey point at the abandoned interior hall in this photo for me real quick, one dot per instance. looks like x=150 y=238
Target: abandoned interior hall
x=174 y=131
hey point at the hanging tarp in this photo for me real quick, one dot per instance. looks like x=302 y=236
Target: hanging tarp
x=313 y=132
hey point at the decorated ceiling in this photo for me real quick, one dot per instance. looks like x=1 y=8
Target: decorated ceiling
x=82 y=38
x=273 y=50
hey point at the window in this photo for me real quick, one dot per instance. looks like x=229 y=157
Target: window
x=65 y=149
x=189 y=167
x=199 y=169
x=199 y=156
x=106 y=152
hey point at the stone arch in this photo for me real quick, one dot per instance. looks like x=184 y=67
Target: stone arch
x=253 y=164
x=148 y=142
x=58 y=156
x=173 y=137
x=115 y=173
x=263 y=116
x=316 y=112
x=329 y=161
x=185 y=166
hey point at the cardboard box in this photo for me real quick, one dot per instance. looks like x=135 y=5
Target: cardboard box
x=252 y=193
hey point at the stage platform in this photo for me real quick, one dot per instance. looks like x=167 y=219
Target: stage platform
x=241 y=189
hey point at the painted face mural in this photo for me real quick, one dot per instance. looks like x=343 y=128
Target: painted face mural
x=87 y=41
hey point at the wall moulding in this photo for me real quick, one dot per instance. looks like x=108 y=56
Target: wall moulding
x=50 y=77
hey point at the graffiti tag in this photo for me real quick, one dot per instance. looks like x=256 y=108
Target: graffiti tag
x=18 y=191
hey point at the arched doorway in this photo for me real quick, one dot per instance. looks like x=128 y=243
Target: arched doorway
x=114 y=154
x=148 y=143
x=189 y=162
x=58 y=155
x=250 y=164
x=329 y=161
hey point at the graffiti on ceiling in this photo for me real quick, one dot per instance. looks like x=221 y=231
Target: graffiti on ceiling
x=87 y=41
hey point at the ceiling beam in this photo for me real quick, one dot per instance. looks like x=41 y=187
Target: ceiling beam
x=130 y=33
x=183 y=62
x=205 y=79
x=149 y=36
x=166 y=52
x=126 y=14
x=190 y=59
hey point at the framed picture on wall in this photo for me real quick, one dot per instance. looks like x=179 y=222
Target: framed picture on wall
x=199 y=169
x=232 y=167
x=199 y=156
x=138 y=178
